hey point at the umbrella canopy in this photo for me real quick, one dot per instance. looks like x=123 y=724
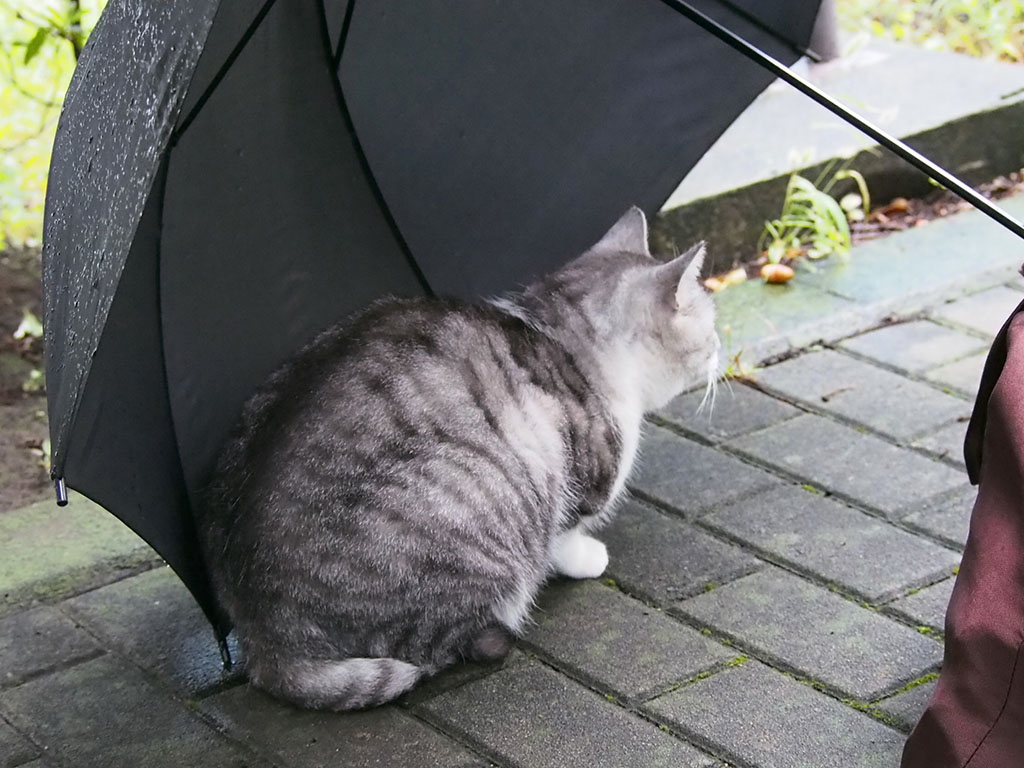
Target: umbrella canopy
x=229 y=178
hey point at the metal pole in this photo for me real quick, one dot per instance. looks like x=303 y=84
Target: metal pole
x=912 y=156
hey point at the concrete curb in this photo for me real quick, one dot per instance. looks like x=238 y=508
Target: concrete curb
x=974 y=130
x=48 y=553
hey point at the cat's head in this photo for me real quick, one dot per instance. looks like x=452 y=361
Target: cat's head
x=650 y=324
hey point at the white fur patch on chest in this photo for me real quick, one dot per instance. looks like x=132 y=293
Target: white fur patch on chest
x=626 y=410
x=628 y=416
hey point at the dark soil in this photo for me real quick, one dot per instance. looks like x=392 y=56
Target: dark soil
x=22 y=402
x=901 y=213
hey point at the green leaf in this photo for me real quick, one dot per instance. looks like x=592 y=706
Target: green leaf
x=33 y=46
x=30 y=326
x=851 y=201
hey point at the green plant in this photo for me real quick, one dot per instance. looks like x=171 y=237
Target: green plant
x=39 y=45
x=986 y=28
x=813 y=223
x=736 y=367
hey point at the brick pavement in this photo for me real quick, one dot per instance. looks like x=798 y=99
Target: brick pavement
x=775 y=599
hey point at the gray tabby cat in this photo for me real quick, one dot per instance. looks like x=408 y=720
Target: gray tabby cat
x=395 y=495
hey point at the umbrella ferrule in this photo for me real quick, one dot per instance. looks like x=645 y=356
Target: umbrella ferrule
x=62 y=492
x=225 y=652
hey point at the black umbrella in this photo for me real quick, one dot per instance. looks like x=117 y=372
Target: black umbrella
x=228 y=178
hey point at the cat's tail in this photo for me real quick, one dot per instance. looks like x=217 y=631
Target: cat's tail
x=346 y=684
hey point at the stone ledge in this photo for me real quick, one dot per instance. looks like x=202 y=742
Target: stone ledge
x=48 y=552
x=960 y=115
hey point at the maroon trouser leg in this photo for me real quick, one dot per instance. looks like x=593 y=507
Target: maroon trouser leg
x=976 y=717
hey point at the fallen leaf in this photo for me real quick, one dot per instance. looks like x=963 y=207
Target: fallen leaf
x=777 y=273
x=734 y=277
x=896 y=205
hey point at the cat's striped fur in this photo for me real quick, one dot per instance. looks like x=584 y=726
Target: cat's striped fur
x=395 y=495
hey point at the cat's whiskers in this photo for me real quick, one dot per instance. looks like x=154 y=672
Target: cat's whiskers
x=710 y=390
x=727 y=381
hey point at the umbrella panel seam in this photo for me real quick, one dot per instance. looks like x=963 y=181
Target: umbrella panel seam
x=251 y=30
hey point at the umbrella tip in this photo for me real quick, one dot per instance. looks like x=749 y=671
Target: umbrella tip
x=62 y=492
x=225 y=653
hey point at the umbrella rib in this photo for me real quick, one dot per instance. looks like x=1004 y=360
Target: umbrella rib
x=343 y=34
x=364 y=162
x=906 y=152
x=228 y=62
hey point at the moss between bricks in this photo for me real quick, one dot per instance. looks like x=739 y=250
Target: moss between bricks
x=869 y=709
x=735 y=661
x=863 y=604
x=916 y=683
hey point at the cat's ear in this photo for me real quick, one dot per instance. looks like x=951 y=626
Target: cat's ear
x=684 y=272
x=627 y=235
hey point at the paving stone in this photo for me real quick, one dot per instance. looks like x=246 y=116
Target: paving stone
x=927 y=607
x=758 y=717
x=15 y=750
x=834 y=542
x=454 y=676
x=663 y=559
x=984 y=312
x=906 y=708
x=882 y=400
x=914 y=346
x=691 y=477
x=532 y=717
x=738 y=409
x=963 y=375
x=618 y=644
x=947 y=518
x=906 y=265
x=301 y=738
x=105 y=713
x=155 y=621
x=47 y=551
x=38 y=639
x=844 y=460
x=856 y=651
x=753 y=311
x=947 y=443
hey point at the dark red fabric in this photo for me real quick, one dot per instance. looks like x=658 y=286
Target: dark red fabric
x=976 y=716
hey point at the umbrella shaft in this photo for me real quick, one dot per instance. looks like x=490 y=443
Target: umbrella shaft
x=909 y=154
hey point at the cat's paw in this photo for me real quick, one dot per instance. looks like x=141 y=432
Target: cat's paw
x=579 y=556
